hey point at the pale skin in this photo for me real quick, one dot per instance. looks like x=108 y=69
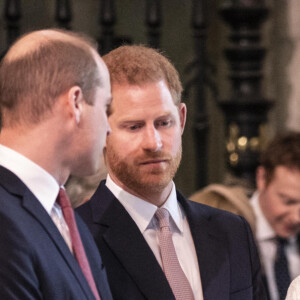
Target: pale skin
x=280 y=200
x=145 y=122
x=53 y=143
x=40 y=149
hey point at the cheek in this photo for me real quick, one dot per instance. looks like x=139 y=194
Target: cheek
x=100 y=131
x=102 y=118
x=270 y=205
x=119 y=144
x=279 y=210
x=173 y=142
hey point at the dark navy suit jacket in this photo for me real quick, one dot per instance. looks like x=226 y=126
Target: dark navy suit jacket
x=227 y=256
x=35 y=261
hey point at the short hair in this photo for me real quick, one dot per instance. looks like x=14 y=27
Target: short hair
x=138 y=65
x=283 y=150
x=30 y=83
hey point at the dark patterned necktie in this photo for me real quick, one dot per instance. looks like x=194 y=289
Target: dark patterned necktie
x=281 y=269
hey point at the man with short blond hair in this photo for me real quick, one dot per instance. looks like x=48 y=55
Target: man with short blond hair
x=54 y=91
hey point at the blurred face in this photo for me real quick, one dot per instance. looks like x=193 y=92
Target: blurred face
x=94 y=127
x=280 y=200
x=144 y=147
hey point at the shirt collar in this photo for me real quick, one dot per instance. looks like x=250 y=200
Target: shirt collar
x=141 y=211
x=174 y=209
x=43 y=185
x=264 y=231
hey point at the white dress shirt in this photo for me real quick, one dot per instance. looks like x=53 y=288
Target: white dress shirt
x=43 y=185
x=294 y=290
x=142 y=212
x=265 y=237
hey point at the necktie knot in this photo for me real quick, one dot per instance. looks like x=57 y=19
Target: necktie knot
x=281 y=241
x=163 y=217
x=63 y=199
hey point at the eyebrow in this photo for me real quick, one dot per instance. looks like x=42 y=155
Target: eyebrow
x=130 y=122
x=167 y=115
x=283 y=194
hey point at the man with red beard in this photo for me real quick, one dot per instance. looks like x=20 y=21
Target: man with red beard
x=155 y=244
x=276 y=205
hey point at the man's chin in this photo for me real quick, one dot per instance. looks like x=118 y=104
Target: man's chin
x=155 y=183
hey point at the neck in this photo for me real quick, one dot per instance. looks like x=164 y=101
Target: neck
x=155 y=195
x=38 y=147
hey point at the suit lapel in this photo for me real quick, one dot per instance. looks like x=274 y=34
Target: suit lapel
x=129 y=245
x=131 y=249
x=212 y=256
x=30 y=204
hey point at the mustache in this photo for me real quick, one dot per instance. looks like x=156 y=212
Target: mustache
x=153 y=156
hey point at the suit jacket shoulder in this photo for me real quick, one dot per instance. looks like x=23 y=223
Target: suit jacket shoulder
x=222 y=238
x=131 y=266
x=228 y=261
x=34 y=258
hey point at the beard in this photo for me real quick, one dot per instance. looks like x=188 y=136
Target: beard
x=140 y=179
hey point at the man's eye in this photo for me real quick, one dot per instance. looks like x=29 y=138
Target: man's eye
x=289 y=201
x=134 y=127
x=164 y=123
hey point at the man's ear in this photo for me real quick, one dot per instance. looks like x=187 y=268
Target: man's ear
x=182 y=115
x=75 y=100
x=260 y=178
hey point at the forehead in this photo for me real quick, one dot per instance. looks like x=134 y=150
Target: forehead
x=286 y=181
x=103 y=71
x=146 y=98
x=103 y=91
x=287 y=175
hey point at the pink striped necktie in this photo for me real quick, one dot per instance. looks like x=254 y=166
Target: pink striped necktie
x=178 y=282
x=78 y=250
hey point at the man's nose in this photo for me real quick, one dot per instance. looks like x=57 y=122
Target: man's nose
x=152 y=139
